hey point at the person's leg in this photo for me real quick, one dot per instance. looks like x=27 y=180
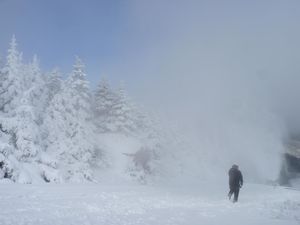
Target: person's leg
x=230 y=193
x=236 y=194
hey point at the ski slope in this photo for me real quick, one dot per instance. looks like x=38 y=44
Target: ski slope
x=84 y=204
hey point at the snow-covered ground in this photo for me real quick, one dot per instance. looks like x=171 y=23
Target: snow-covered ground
x=84 y=204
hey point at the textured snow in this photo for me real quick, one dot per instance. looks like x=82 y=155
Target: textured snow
x=85 y=204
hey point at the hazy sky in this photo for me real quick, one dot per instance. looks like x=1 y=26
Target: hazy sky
x=204 y=56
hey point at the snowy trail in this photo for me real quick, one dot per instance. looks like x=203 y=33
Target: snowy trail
x=98 y=204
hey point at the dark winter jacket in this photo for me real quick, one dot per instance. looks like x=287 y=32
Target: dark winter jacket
x=235 y=178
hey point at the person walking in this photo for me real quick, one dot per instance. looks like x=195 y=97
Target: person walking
x=235 y=182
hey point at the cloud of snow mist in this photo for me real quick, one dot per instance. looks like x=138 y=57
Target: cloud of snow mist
x=225 y=116
x=226 y=73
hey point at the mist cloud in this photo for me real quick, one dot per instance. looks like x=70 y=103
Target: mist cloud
x=228 y=73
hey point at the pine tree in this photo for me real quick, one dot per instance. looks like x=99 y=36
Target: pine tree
x=20 y=98
x=69 y=125
x=36 y=91
x=53 y=83
x=124 y=113
x=11 y=79
x=104 y=99
x=29 y=112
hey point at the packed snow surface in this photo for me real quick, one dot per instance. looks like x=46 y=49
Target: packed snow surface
x=86 y=204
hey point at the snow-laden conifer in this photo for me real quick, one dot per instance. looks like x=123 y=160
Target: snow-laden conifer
x=124 y=113
x=11 y=79
x=104 y=100
x=53 y=83
x=70 y=137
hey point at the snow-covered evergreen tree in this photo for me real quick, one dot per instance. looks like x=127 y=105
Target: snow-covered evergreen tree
x=104 y=99
x=124 y=113
x=18 y=112
x=114 y=112
x=53 y=83
x=36 y=91
x=11 y=79
x=22 y=100
x=68 y=118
